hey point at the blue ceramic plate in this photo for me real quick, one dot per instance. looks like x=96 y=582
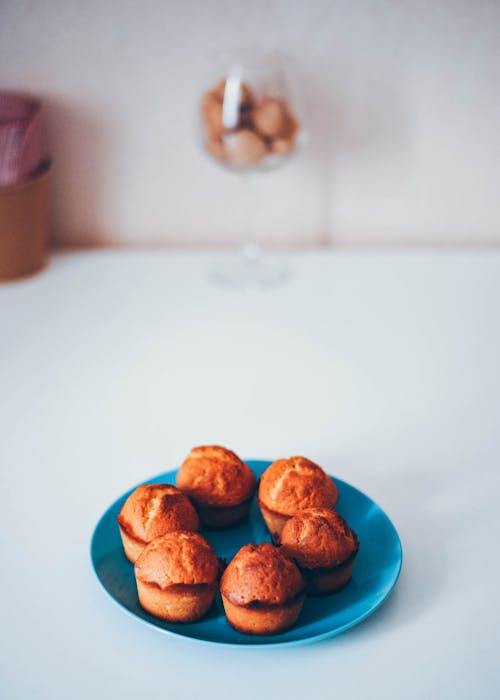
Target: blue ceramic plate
x=376 y=571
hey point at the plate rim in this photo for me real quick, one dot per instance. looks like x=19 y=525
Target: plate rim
x=329 y=634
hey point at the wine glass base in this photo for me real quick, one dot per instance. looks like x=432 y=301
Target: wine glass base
x=242 y=272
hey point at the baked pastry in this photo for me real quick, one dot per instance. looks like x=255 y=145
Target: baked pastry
x=323 y=546
x=219 y=484
x=176 y=576
x=153 y=510
x=243 y=129
x=262 y=590
x=291 y=485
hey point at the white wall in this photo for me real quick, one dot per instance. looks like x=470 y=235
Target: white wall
x=405 y=118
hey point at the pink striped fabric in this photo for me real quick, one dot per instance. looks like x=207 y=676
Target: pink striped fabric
x=22 y=146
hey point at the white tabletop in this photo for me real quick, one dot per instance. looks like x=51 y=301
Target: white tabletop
x=382 y=367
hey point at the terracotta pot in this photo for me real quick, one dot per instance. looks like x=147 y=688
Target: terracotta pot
x=24 y=224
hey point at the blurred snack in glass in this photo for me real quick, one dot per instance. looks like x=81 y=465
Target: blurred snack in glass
x=245 y=129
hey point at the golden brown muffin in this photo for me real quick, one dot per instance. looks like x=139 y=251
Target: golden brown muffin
x=220 y=485
x=153 y=510
x=323 y=546
x=289 y=486
x=176 y=576
x=262 y=590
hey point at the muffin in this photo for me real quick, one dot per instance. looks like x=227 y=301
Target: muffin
x=289 y=486
x=153 y=510
x=262 y=590
x=219 y=484
x=323 y=546
x=176 y=576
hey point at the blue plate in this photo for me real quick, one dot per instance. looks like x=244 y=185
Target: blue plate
x=376 y=571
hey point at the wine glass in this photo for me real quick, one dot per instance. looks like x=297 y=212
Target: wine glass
x=249 y=124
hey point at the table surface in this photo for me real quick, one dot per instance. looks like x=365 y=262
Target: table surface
x=381 y=366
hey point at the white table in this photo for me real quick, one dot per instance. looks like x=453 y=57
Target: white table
x=383 y=367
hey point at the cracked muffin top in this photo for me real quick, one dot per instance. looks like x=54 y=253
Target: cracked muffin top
x=261 y=573
x=291 y=485
x=177 y=558
x=155 y=509
x=214 y=476
x=318 y=538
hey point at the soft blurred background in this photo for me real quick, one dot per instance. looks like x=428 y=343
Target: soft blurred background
x=403 y=109
x=377 y=357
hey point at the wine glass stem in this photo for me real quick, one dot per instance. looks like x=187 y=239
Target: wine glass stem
x=250 y=250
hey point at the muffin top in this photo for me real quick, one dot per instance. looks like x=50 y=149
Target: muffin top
x=261 y=573
x=318 y=538
x=177 y=558
x=215 y=476
x=154 y=509
x=291 y=485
